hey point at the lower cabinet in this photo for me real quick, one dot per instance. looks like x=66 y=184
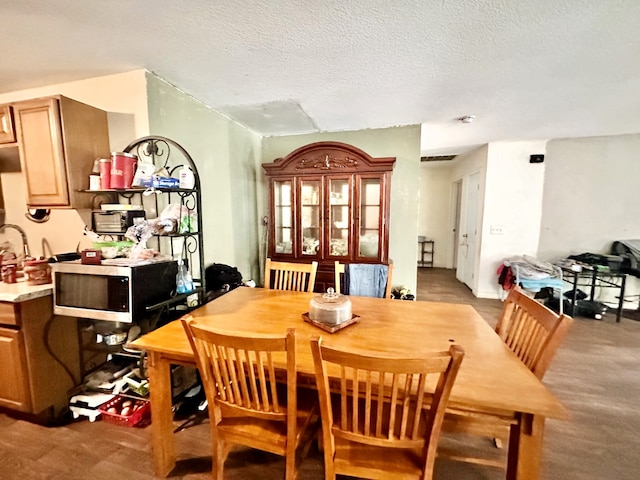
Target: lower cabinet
x=39 y=358
x=14 y=386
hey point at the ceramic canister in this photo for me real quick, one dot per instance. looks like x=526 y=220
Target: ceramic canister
x=123 y=166
x=105 y=173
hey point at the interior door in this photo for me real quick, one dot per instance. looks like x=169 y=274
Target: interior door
x=457 y=205
x=469 y=231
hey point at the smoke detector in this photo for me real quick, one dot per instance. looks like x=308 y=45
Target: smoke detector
x=467 y=119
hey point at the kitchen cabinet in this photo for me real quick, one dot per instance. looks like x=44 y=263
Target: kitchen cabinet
x=7 y=131
x=34 y=346
x=14 y=386
x=59 y=139
x=328 y=202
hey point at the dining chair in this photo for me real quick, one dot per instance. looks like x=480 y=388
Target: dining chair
x=300 y=277
x=533 y=332
x=248 y=404
x=381 y=423
x=339 y=274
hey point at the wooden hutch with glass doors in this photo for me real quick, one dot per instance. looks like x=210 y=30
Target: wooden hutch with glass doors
x=329 y=201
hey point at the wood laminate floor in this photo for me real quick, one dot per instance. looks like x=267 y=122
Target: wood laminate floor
x=595 y=374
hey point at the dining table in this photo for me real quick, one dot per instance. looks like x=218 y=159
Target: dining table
x=491 y=380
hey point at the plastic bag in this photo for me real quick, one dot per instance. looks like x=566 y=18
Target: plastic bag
x=184 y=218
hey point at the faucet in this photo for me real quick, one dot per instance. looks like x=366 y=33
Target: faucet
x=25 y=244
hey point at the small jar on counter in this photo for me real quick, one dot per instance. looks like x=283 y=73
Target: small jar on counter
x=9 y=274
x=38 y=272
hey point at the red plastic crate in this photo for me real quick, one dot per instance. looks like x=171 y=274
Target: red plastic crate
x=140 y=410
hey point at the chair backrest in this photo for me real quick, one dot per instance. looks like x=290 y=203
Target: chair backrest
x=531 y=330
x=339 y=271
x=300 y=277
x=238 y=372
x=382 y=400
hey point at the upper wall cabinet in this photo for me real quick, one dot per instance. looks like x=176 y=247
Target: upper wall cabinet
x=59 y=140
x=7 y=132
x=329 y=201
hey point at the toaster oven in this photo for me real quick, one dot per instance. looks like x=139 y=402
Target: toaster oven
x=115 y=221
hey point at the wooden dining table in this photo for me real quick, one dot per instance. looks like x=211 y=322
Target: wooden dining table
x=491 y=380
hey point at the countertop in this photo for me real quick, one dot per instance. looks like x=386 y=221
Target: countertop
x=21 y=291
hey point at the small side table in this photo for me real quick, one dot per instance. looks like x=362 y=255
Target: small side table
x=427 y=248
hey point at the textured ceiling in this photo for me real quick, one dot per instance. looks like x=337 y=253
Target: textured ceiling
x=527 y=69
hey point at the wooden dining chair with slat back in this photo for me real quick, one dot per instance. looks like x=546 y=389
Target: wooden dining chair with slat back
x=247 y=406
x=381 y=423
x=300 y=277
x=339 y=271
x=533 y=332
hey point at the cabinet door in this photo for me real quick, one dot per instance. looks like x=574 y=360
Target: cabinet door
x=311 y=234
x=42 y=156
x=369 y=218
x=339 y=223
x=7 y=132
x=282 y=208
x=14 y=386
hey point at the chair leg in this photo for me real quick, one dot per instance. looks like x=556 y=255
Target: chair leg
x=290 y=467
x=218 y=456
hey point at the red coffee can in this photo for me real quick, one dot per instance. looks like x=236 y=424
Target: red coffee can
x=105 y=173
x=123 y=166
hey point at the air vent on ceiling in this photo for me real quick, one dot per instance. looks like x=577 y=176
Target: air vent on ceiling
x=437 y=158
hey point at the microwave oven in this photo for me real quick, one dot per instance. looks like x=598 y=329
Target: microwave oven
x=119 y=293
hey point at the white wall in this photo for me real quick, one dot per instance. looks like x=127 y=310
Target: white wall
x=123 y=96
x=590 y=197
x=513 y=205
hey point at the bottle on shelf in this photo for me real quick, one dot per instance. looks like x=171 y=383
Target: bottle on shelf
x=184 y=281
x=186 y=178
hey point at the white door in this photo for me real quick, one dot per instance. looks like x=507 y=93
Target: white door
x=456 y=200
x=469 y=231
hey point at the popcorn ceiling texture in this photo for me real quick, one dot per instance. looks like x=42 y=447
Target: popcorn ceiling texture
x=530 y=69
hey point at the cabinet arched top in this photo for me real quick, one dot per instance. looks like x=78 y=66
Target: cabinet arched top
x=328 y=158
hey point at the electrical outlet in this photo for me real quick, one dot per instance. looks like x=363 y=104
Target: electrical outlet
x=496 y=230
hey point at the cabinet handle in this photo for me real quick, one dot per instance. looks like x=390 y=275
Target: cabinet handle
x=5 y=124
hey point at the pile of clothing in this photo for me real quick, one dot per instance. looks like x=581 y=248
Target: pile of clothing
x=530 y=273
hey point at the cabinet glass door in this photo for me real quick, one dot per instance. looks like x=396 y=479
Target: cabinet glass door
x=283 y=216
x=339 y=225
x=369 y=217
x=310 y=218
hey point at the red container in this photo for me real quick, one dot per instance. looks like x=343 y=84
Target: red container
x=9 y=274
x=38 y=272
x=139 y=410
x=105 y=173
x=123 y=167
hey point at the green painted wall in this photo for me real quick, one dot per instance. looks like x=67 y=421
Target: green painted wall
x=400 y=142
x=227 y=157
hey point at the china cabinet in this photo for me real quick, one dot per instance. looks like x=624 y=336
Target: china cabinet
x=329 y=201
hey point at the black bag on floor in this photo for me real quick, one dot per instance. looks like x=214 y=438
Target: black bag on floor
x=220 y=279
